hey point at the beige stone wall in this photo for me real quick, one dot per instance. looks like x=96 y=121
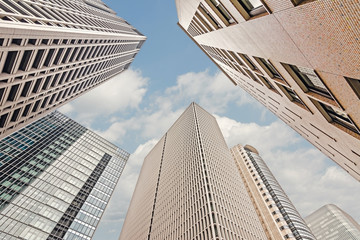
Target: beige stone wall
x=321 y=35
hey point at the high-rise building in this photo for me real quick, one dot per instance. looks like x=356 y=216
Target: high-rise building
x=53 y=51
x=189 y=187
x=278 y=215
x=56 y=178
x=297 y=57
x=330 y=222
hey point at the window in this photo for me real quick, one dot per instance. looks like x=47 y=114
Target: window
x=335 y=116
x=25 y=89
x=298 y=2
x=66 y=55
x=236 y=58
x=248 y=61
x=267 y=83
x=220 y=10
x=26 y=110
x=38 y=58
x=36 y=105
x=13 y=92
x=16 y=41
x=25 y=60
x=37 y=85
x=3 y=119
x=15 y=115
x=291 y=94
x=252 y=76
x=268 y=68
x=249 y=8
x=308 y=80
x=10 y=61
x=355 y=85
x=208 y=17
x=58 y=55
x=48 y=57
x=2 y=90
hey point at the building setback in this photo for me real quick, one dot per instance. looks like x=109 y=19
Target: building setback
x=298 y=58
x=189 y=187
x=53 y=51
x=56 y=178
x=330 y=222
x=278 y=215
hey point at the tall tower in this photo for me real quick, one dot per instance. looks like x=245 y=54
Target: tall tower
x=291 y=56
x=53 y=51
x=189 y=187
x=330 y=222
x=278 y=215
x=56 y=178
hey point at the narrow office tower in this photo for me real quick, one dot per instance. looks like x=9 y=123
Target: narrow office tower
x=189 y=187
x=278 y=215
x=53 y=51
x=330 y=222
x=299 y=58
x=56 y=178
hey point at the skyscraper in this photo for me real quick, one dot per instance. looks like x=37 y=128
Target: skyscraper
x=189 y=187
x=330 y=222
x=296 y=57
x=53 y=51
x=279 y=216
x=56 y=178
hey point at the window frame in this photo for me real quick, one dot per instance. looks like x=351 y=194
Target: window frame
x=269 y=68
x=354 y=84
x=221 y=13
x=202 y=9
x=252 y=76
x=267 y=83
x=300 y=2
x=296 y=100
x=248 y=62
x=336 y=119
x=305 y=82
x=250 y=13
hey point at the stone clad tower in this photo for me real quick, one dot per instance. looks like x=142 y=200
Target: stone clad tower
x=190 y=188
x=278 y=215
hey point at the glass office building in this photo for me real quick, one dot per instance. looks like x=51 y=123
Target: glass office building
x=56 y=178
x=331 y=222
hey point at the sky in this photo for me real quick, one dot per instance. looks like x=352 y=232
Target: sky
x=134 y=109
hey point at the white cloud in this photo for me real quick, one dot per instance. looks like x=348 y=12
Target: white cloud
x=122 y=92
x=213 y=92
x=264 y=138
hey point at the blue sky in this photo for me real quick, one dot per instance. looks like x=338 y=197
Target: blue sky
x=134 y=109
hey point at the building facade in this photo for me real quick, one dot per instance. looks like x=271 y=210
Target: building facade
x=278 y=215
x=330 y=222
x=189 y=187
x=53 y=51
x=297 y=57
x=56 y=178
